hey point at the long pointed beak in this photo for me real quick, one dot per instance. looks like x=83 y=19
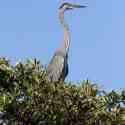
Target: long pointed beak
x=78 y=6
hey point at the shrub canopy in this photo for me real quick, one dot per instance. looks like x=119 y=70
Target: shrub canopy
x=26 y=98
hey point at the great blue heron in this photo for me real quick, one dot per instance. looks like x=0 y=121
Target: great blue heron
x=57 y=69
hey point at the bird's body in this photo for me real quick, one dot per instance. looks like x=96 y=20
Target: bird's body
x=57 y=69
x=59 y=73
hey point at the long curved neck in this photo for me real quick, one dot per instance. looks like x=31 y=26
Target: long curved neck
x=66 y=40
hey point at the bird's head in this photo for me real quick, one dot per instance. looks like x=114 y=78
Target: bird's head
x=69 y=6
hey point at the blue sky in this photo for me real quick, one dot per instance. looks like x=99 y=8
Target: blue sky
x=31 y=29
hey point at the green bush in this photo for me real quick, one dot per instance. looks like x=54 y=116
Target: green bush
x=26 y=98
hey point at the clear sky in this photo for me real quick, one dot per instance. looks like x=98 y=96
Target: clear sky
x=31 y=29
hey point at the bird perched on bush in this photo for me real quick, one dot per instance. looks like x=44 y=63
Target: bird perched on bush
x=57 y=69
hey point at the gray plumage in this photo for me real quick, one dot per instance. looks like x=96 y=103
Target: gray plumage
x=57 y=69
x=59 y=73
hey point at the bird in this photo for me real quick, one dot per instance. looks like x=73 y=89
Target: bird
x=58 y=68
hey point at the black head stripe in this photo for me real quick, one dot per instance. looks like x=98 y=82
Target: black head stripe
x=63 y=5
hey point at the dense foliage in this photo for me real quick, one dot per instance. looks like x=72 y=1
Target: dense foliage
x=26 y=98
